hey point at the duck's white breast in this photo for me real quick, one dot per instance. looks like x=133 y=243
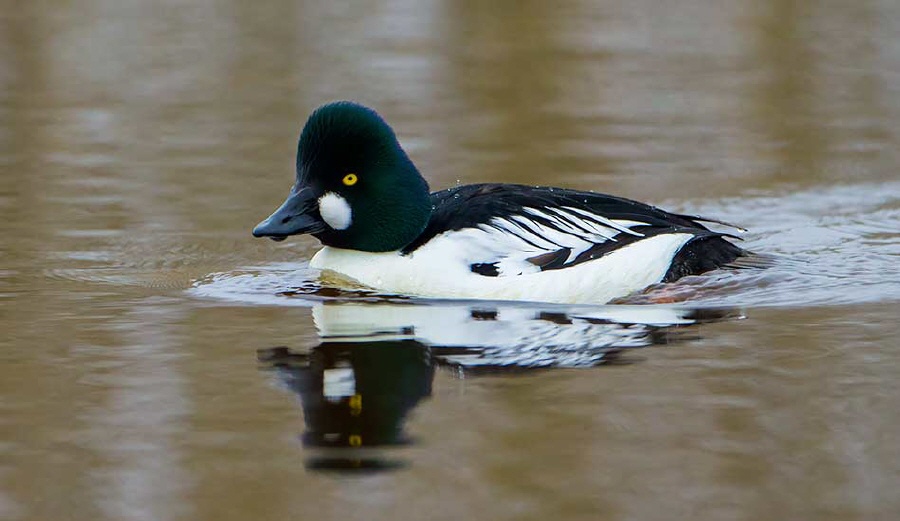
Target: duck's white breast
x=441 y=269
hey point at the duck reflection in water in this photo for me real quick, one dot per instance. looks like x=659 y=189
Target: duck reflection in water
x=376 y=362
x=355 y=395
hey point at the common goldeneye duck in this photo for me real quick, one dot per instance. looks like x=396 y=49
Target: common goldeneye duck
x=358 y=192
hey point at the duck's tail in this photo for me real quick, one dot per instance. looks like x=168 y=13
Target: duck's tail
x=706 y=253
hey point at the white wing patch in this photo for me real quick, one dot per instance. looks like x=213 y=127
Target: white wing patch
x=510 y=244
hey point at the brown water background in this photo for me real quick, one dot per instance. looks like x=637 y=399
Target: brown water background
x=141 y=141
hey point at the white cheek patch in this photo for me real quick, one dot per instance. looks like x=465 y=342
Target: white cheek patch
x=335 y=211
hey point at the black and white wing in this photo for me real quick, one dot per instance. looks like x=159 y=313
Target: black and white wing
x=509 y=230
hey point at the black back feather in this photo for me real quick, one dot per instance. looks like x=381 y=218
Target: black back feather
x=470 y=206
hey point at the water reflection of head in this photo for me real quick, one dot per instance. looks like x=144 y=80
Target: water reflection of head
x=355 y=397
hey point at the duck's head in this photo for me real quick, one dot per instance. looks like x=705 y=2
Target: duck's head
x=356 y=188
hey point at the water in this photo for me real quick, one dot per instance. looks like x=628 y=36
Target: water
x=159 y=363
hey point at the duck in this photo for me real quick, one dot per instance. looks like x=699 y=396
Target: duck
x=358 y=192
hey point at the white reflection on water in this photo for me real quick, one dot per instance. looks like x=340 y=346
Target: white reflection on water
x=506 y=335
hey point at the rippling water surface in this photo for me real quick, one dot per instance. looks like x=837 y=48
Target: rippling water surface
x=159 y=363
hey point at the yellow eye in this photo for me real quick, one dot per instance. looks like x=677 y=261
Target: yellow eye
x=350 y=179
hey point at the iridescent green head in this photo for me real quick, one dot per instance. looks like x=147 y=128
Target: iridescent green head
x=356 y=188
